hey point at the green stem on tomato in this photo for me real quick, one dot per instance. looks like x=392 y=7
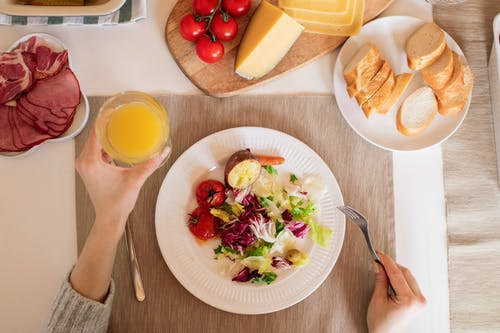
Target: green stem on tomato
x=209 y=22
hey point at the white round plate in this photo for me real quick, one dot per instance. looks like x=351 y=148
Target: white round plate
x=193 y=264
x=389 y=34
x=82 y=112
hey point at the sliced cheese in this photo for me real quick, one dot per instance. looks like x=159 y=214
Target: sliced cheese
x=331 y=6
x=318 y=16
x=267 y=39
x=338 y=29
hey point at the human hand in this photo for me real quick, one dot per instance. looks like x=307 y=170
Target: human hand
x=112 y=189
x=393 y=315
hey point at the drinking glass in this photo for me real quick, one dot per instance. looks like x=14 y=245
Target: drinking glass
x=132 y=127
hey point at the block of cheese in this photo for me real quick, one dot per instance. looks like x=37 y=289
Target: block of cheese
x=320 y=16
x=330 y=6
x=338 y=29
x=267 y=39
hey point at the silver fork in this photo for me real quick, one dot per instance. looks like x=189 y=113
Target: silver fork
x=362 y=223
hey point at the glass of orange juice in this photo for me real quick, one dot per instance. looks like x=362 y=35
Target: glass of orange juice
x=132 y=127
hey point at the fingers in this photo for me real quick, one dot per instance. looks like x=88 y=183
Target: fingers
x=145 y=169
x=381 y=282
x=396 y=277
x=91 y=152
x=412 y=282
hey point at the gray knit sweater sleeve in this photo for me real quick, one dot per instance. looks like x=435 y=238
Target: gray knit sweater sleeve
x=73 y=312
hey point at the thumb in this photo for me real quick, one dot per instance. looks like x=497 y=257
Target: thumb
x=381 y=282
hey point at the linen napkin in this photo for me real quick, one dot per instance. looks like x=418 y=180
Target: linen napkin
x=131 y=11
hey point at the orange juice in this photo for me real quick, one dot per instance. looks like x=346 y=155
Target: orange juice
x=132 y=127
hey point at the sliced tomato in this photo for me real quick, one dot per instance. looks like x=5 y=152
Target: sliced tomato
x=210 y=193
x=202 y=224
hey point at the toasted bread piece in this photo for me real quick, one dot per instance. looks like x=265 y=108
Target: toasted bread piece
x=455 y=85
x=375 y=83
x=362 y=67
x=440 y=72
x=425 y=46
x=402 y=82
x=456 y=104
x=378 y=100
x=417 y=112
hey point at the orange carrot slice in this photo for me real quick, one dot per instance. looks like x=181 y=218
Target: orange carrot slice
x=270 y=160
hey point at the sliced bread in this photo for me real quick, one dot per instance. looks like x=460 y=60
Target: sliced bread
x=363 y=67
x=440 y=72
x=425 y=46
x=374 y=84
x=378 y=100
x=455 y=85
x=417 y=112
x=402 y=82
x=456 y=104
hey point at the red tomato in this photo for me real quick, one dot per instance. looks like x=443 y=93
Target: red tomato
x=191 y=29
x=210 y=193
x=224 y=29
x=236 y=7
x=202 y=224
x=204 y=7
x=208 y=50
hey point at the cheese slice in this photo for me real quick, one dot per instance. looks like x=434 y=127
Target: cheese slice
x=319 y=16
x=331 y=6
x=338 y=29
x=267 y=39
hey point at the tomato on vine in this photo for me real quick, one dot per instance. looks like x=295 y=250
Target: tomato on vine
x=236 y=8
x=208 y=50
x=192 y=29
x=204 y=7
x=224 y=27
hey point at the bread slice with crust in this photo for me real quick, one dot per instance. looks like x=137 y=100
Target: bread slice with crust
x=417 y=112
x=456 y=83
x=456 y=104
x=362 y=68
x=402 y=82
x=375 y=83
x=425 y=46
x=440 y=72
x=378 y=100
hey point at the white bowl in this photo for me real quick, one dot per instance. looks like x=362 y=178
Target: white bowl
x=100 y=7
x=82 y=112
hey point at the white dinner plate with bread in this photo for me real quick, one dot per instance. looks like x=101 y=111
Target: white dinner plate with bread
x=403 y=84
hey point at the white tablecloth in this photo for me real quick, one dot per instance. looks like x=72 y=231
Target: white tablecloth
x=37 y=201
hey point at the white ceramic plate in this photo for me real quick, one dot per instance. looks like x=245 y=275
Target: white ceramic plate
x=194 y=265
x=82 y=112
x=99 y=7
x=389 y=34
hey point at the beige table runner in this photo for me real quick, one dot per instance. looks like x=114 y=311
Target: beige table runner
x=470 y=179
x=364 y=174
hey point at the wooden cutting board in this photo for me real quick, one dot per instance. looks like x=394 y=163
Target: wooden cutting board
x=219 y=79
x=364 y=174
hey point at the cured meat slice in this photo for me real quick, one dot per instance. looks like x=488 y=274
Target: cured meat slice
x=48 y=61
x=29 y=136
x=59 y=93
x=40 y=112
x=15 y=76
x=6 y=135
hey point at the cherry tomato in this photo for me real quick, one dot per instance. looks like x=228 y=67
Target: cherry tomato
x=191 y=29
x=236 y=7
x=224 y=30
x=208 y=50
x=210 y=193
x=204 y=7
x=202 y=224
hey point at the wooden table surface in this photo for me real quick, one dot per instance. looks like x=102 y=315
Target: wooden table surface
x=363 y=171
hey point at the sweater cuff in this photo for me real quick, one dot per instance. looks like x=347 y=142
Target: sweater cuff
x=73 y=312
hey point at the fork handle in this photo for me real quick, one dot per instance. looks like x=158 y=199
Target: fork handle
x=134 y=266
x=390 y=290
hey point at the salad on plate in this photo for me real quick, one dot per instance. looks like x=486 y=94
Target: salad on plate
x=262 y=220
